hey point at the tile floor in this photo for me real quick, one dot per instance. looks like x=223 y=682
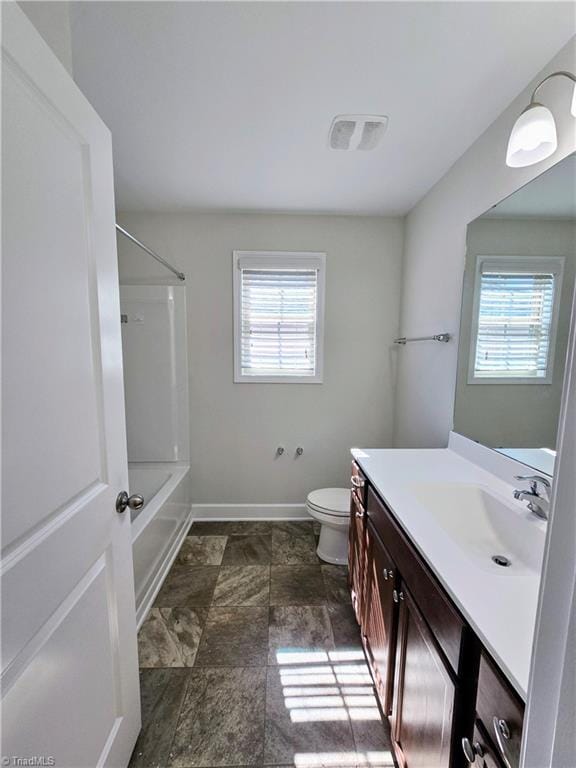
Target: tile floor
x=251 y=657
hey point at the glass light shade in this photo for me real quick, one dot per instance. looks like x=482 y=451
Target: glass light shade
x=533 y=137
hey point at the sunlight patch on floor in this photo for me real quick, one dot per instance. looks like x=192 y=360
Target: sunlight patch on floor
x=318 y=715
x=320 y=700
x=340 y=689
x=344 y=759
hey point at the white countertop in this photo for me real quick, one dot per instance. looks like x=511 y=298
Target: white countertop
x=499 y=603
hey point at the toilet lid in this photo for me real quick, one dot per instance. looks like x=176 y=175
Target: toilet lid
x=331 y=500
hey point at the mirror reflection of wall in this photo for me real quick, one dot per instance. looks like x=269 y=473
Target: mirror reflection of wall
x=516 y=307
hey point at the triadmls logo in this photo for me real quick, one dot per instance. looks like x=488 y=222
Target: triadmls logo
x=36 y=761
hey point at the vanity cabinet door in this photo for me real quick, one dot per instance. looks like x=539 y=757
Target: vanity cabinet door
x=424 y=693
x=380 y=617
x=357 y=555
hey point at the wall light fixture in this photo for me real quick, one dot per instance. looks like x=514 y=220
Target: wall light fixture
x=533 y=137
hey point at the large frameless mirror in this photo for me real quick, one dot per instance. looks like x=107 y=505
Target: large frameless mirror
x=517 y=301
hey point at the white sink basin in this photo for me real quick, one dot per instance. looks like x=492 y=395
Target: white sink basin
x=484 y=525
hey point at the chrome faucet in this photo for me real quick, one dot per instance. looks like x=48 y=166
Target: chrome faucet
x=538 y=504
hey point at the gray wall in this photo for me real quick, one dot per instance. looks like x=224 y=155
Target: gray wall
x=235 y=428
x=52 y=20
x=514 y=415
x=435 y=244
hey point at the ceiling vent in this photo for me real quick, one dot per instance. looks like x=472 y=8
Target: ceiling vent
x=357 y=131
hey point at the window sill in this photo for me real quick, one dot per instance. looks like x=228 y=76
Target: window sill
x=239 y=379
x=510 y=380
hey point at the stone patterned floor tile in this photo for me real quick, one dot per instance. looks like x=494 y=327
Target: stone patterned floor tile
x=296 y=632
x=222 y=719
x=336 y=583
x=243 y=585
x=162 y=694
x=288 y=549
x=297 y=585
x=248 y=550
x=234 y=637
x=306 y=719
x=213 y=612
x=170 y=637
x=345 y=629
x=202 y=550
x=372 y=734
x=188 y=586
x=294 y=527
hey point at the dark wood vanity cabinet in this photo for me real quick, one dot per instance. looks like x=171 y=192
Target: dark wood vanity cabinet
x=424 y=693
x=380 y=616
x=433 y=679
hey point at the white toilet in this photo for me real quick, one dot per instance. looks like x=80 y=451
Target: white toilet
x=331 y=507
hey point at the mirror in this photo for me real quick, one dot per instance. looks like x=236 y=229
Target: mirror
x=516 y=306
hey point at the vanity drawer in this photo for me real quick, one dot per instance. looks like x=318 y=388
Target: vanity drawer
x=358 y=484
x=500 y=711
x=445 y=622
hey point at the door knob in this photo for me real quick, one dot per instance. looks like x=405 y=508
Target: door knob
x=123 y=500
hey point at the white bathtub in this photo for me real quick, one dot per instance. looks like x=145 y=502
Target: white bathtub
x=159 y=527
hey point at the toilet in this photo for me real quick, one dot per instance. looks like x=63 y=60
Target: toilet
x=331 y=508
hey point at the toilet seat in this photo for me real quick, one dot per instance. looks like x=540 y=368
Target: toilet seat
x=328 y=512
x=330 y=501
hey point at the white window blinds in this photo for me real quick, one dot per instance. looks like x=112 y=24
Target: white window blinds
x=278 y=318
x=516 y=313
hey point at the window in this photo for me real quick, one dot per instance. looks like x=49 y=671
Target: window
x=278 y=317
x=514 y=322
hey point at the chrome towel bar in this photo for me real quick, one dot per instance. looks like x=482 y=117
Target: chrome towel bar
x=437 y=337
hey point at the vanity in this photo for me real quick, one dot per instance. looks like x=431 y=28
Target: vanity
x=447 y=629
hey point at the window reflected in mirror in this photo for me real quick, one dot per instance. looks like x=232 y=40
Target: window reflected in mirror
x=517 y=299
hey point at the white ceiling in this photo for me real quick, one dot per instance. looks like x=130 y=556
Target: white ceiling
x=227 y=106
x=551 y=195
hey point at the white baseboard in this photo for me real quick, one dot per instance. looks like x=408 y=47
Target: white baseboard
x=223 y=512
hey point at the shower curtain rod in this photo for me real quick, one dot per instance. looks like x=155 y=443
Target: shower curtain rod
x=179 y=275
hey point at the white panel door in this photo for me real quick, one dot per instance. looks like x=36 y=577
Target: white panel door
x=69 y=657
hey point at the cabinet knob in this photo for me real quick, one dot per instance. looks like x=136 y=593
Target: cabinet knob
x=471 y=750
x=397 y=596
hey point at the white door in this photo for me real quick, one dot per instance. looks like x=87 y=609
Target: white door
x=70 y=690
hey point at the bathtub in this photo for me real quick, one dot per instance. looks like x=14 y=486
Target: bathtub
x=159 y=528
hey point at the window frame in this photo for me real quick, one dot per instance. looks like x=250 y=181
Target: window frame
x=528 y=264
x=280 y=260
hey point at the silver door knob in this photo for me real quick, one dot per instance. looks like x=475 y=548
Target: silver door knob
x=123 y=500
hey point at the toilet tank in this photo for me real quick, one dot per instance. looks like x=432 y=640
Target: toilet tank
x=154 y=349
